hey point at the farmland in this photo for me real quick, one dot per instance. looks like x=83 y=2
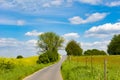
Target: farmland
x=17 y=69
x=91 y=68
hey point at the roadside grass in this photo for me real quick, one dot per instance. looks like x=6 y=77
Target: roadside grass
x=79 y=68
x=17 y=69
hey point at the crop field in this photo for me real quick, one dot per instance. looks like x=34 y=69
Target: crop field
x=17 y=69
x=91 y=68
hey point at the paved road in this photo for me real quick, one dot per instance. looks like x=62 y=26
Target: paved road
x=49 y=73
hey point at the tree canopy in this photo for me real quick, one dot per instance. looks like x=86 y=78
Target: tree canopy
x=49 y=43
x=94 y=52
x=73 y=48
x=114 y=45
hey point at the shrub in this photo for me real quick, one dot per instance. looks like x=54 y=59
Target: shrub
x=53 y=56
x=19 y=57
x=43 y=58
x=47 y=57
x=6 y=65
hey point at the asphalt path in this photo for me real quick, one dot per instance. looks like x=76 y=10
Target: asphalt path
x=49 y=73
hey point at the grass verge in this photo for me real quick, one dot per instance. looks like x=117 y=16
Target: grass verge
x=79 y=68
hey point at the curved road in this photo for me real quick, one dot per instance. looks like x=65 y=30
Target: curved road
x=48 y=73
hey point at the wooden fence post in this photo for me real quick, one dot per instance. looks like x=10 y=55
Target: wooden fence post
x=91 y=65
x=105 y=69
x=86 y=62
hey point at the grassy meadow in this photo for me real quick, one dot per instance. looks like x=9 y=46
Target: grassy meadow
x=17 y=69
x=91 y=68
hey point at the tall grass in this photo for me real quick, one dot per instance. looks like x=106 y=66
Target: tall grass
x=17 y=69
x=79 y=68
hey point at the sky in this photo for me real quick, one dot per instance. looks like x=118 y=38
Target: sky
x=92 y=23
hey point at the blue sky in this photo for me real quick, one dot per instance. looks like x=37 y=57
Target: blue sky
x=92 y=23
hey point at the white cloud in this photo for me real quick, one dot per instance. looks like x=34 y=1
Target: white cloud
x=57 y=2
x=104 y=30
x=29 y=5
x=6 y=21
x=53 y=3
x=33 y=33
x=20 y=22
x=92 y=2
x=12 y=22
x=101 y=45
x=12 y=42
x=113 y=4
x=46 y=5
x=4 y=42
x=91 y=18
x=71 y=35
x=11 y=47
x=33 y=42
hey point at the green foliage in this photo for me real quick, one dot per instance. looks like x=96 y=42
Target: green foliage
x=73 y=48
x=17 y=69
x=43 y=58
x=6 y=65
x=94 y=52
x=114 y=45
x=53 y=56
x=19 y=57
x=48 y=57
x=77 y=69
x=49 y=42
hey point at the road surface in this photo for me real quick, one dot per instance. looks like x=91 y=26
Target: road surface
x=49 y=73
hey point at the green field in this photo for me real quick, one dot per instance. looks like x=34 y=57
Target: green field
x=87 y=68
x=17 y=69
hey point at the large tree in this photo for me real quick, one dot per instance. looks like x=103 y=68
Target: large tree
x=49 y=43
x=73 y=48
x=114 y=45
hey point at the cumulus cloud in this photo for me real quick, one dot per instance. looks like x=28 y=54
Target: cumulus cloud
x=13 y=47
x=91 y=18
x=5 y=42
x=113 y=4
x=92 y=2
x=33 y=33
x=102 y=45
x=104 y=30
x=71 y=35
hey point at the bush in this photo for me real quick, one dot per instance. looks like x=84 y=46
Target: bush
x=6 y=65
x=94 y=52
x=48 y=57
x=53 y=56
x=43 y=58
x=19 y=57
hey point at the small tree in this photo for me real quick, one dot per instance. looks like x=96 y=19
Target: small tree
x=19 y=57
x=94 y=52
x=73 y=48
x=114 y=45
